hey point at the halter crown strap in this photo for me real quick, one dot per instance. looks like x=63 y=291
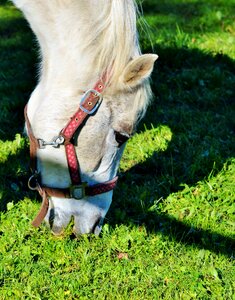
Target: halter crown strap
x=78 y=190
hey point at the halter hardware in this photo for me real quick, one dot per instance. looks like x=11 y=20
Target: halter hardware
x=78 y=192
x=33 y=181
x=84 y=98
x=55 y=142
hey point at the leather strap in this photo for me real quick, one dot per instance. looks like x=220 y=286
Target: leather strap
x=73 y=164
x=33 y=142
x=47 y=192
x=91 y=190
x=43 y=210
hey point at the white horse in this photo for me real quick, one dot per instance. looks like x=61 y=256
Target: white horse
x=83 y=42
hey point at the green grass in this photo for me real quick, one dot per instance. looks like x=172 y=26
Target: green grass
x=169 y=233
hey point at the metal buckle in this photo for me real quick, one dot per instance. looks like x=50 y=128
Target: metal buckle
x=84 y=97
x=78 y=191
x=55 y=142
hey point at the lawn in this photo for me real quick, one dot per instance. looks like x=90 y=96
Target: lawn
x=169 y=233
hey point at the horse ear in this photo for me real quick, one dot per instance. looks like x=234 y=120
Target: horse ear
x=138 y=69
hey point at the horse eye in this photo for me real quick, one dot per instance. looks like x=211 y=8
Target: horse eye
x=121 y=137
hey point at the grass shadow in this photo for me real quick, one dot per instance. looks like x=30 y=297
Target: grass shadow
x=17 y=76
x=196 y=16
x=14 y=173
x=177 y=231
x=194 y=97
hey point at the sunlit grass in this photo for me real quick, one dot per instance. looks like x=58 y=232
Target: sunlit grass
x=143 y=145
x=9 y=148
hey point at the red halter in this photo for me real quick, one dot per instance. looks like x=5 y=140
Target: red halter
x=78 y=189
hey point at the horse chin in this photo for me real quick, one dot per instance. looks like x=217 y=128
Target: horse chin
x=88 y=214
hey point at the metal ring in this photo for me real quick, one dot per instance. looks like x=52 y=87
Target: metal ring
x=35 y=186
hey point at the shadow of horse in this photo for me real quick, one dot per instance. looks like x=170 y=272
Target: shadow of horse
x=194 y=97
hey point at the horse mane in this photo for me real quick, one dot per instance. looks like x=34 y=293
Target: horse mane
x=115 y=38
x=109 y=38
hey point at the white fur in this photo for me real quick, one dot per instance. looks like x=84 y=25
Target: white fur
x=79 y=40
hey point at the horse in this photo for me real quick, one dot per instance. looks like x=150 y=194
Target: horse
x=93 y=89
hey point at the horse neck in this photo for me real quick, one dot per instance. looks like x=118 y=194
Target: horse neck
x=74 y=34
x=61 y=33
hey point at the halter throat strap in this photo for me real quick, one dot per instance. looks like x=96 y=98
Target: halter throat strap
x=78 y=189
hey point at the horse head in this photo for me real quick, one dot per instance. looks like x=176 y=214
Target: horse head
x=93 y=90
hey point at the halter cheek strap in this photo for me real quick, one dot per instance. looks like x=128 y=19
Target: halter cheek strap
x=88 y=105
x=78 y=189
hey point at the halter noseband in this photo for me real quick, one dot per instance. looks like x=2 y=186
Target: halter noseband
x=78 y=189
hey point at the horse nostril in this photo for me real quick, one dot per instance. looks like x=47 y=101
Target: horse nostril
x=51 y=217
x=97 y=226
